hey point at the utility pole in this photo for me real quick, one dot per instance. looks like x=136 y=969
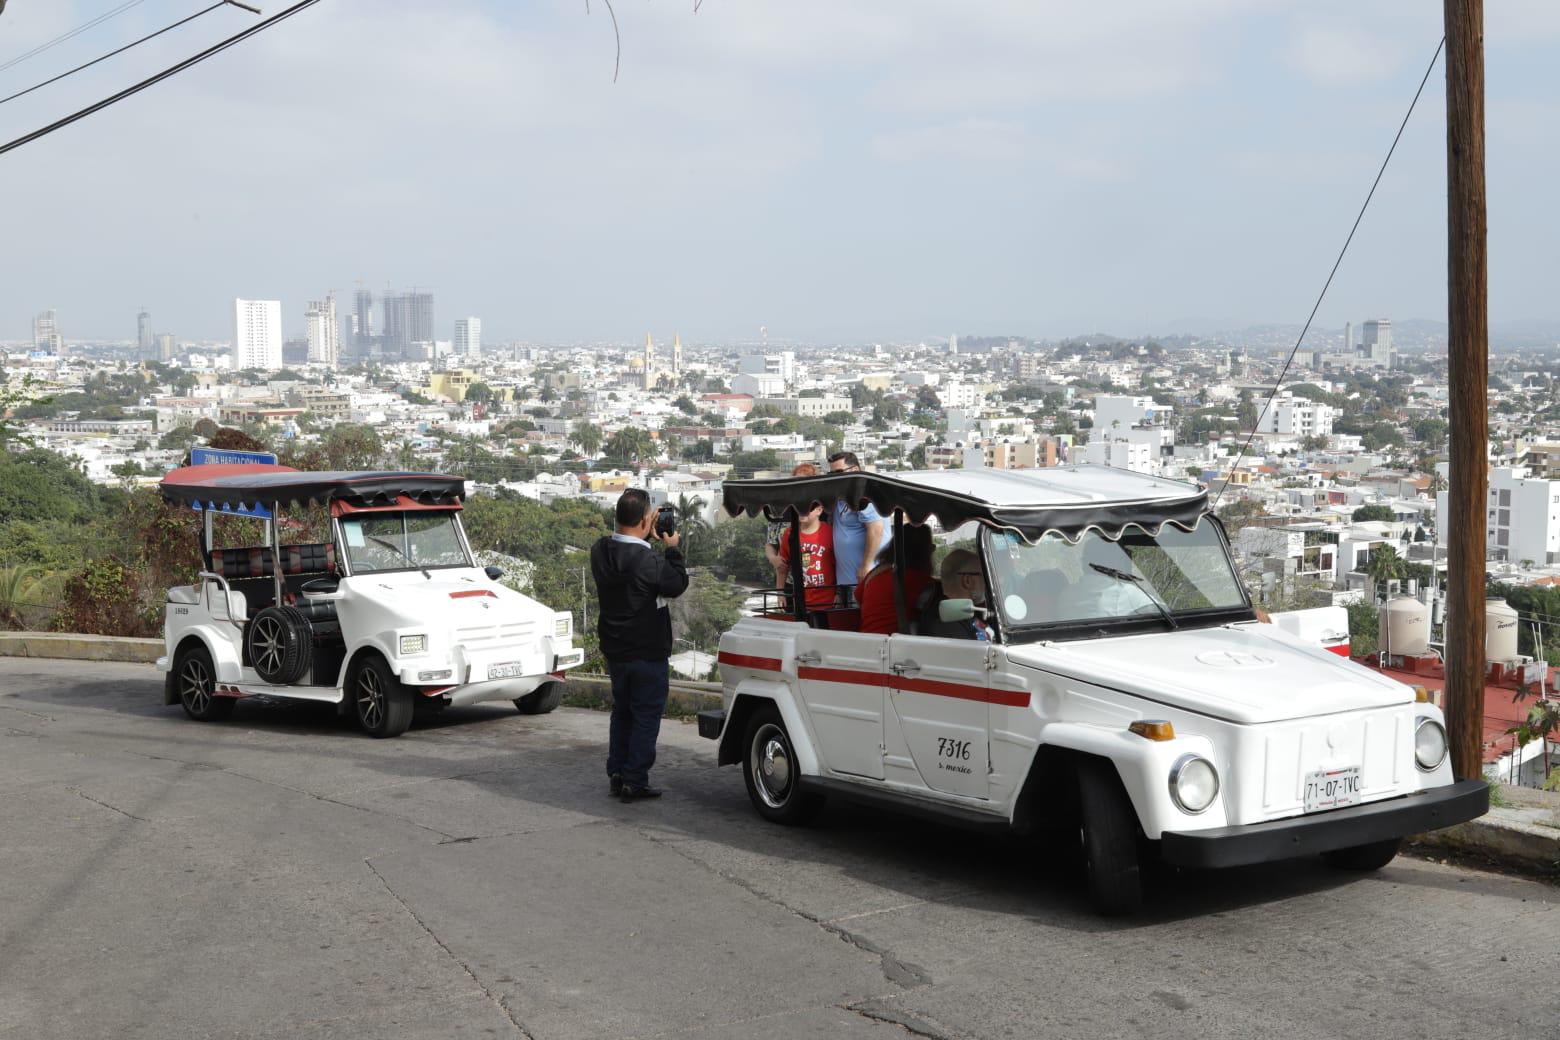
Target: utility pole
x=1467 y=263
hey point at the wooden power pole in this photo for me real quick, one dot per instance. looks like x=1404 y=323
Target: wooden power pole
x=1467 y=263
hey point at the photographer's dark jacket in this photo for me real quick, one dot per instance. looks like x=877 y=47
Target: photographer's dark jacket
x=633 y=581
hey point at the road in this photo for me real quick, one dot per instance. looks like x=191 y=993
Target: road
x=279 y=875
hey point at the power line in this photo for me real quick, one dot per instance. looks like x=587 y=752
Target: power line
x=1336 y=264
x=99 y=20
x=159 y=77
x=120 y=50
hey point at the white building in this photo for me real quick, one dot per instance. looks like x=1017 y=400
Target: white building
x=782 y=364
x=468 y=338
x=323 y=332
x=958 y=395
x=1522 y=517
x=46 y=335
x=1376 y=343
x=806 y=407
x=758 y=384
x=1292 y=416
x=257 y=335
x=1120 y=453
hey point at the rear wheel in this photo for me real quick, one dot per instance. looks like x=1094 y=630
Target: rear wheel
x=196 y=682
x=541 y=700
x=1364 y=857
x=382 y=705
x=1110 y=840
x=770 y=771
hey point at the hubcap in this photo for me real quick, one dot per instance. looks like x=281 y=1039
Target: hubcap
x=772 y=766
x=267 y=646
x=371 y=699
x=195 y=687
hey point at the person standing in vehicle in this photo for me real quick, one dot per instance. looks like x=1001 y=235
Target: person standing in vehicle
x=777 y=531
x=858 y=533
x=633 y=583
x=818 y=570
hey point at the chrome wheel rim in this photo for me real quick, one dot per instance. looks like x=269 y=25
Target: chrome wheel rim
x=267 y=646
x=370 y=698
x=771 y=766
x=195 y=686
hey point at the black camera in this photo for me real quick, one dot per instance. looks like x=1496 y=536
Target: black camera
x=666 y=521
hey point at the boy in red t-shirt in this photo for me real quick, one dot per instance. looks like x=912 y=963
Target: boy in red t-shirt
x=817 y=559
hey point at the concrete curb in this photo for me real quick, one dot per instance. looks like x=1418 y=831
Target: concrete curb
x=1525 y=839
x=77 y=647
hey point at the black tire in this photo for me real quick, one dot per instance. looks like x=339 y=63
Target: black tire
x=1364 y=857
x=382 y=706
x=541 y=700
x=770 y=771
x=278 y=647
x=1110 y=840
x=195 y=678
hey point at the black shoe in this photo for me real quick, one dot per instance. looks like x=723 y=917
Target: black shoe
x=634 y=794
x=615 y=784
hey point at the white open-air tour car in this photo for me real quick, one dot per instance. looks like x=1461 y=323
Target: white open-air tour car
x=1118 y=689
x=390 y=612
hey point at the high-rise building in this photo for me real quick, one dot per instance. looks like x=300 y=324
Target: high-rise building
x=362 y=322
x=468 y=338
x=1348 y=337
x=167 y=346
x=1376 y=342
x=322 y=332
x=257 y=335
x=143 y=333
x=46 y=334
x=408 y=320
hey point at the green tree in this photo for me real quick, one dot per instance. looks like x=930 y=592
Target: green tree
x=1385 y=565
x=1375 y=512
x=587 y=436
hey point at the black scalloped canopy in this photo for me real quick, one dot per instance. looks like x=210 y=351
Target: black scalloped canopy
x=232 y=486
x=1033 y=503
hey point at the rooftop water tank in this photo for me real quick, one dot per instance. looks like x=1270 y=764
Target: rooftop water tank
x=1404 y=627
x=1500 y=631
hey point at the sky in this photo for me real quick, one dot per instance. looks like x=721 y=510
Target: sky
x=836 y=172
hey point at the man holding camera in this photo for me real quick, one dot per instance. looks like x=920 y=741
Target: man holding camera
x=633 y=583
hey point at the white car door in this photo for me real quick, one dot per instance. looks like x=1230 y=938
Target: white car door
x=939 y=689
x=842 y=681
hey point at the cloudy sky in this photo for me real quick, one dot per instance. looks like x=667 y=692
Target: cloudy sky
x=833 y=169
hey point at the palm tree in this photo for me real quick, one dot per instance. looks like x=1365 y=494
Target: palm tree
x=18 y=587
x=1385 y=565
x=587 y=437
x=632 y=443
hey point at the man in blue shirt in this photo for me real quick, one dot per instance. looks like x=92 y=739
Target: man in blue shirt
x=858 y=533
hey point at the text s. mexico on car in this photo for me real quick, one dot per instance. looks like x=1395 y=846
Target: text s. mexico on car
x=383 y=610
x=1118 y=688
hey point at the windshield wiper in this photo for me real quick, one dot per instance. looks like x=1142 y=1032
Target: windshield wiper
x=1147 y=590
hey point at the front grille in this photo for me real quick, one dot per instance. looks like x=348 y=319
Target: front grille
x=1376 y=741
x=480 y=636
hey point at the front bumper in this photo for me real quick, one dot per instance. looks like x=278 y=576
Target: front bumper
x=1323 y=832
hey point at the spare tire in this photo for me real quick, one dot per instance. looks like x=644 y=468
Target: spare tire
x=278 y=642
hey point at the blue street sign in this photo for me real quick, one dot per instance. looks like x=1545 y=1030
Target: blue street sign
x=228 y=457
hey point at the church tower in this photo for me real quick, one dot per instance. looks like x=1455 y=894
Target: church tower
x=649 y=371
x=677 y=360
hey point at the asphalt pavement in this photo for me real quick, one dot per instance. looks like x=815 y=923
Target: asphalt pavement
x=280 y=875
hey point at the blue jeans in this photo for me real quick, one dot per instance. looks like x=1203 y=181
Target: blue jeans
x=638 y=699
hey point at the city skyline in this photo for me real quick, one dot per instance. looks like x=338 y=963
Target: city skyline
x=1138 y=172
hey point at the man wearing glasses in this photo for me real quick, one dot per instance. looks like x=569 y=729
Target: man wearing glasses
x=961 y=579
x=858 y=533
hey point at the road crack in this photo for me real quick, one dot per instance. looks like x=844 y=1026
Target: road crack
x=909 y=1023
x=493 y=998
x=900 y=973
x=112 y=808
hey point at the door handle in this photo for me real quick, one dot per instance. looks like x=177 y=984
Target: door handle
x=906 y=668
x=808 y=657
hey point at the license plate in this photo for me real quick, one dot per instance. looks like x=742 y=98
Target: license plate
x=1332 y=788
x=506 y=671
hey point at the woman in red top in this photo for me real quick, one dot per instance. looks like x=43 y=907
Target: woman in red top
x=876 y=593
x=817 y=559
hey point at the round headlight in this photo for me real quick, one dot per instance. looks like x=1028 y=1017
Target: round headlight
x=1194 y=783
x=1429 y=744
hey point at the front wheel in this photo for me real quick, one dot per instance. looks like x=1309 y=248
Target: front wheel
x=196 y=681
x=770 y=771
x=1110 y=840
x=1364 y=857
x=382 y=705
x=541 y=700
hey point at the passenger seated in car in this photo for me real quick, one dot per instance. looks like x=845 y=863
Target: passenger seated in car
x=878 y=613
x=961 y=579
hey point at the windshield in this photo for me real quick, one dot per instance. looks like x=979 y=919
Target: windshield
x=1178 y=573
x=403 y=541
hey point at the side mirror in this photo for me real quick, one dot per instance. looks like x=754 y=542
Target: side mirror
x=493 y=573
x=956 y=609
